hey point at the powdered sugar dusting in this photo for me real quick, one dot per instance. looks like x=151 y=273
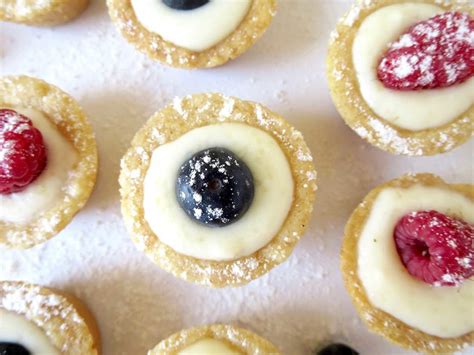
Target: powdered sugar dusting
x=24 y=8
x=14 y=123
x=45 y=308
x=241 y=339
x=205 y=173
x=177 y=106
x=436 y=248
x=196 y=110
x=379 y=132
x=104 y=267
x=251 y=28
x=227 y=108
x=353 y=15
x=19 y=142
x=58 y=109
x=435 y=53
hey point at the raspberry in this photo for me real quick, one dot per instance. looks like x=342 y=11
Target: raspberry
x=22 y=152
x=436 y=248
x=435 y=53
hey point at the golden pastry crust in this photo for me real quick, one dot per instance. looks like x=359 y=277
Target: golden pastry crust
x=377 y=320
x=249 y=31
x=70 y=120
x=63 y=318
x=181 y=117
x=355 y=111
x=41 y=13
x=241 y=339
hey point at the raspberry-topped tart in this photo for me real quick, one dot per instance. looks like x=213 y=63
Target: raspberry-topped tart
x=41 y=13
x=36 y=320
x=48 y=161
x=23 y=152
x=408 y=262
x=216 y=339
x=401 y=73
x=192 y=33
x=217 y=190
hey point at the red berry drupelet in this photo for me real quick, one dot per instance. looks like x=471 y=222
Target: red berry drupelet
x=435 y=53
x=436 y=248
x=22 y=152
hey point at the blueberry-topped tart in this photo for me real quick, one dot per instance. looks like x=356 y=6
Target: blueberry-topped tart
x=36 y=320
x=336 y=349
x=41 y=13
x=185 y=4
x=48 y=161
x=215 y=339
x=401 y=73
x=217 y=190
x=217 y=180
x=408 y=263
x=192 y=33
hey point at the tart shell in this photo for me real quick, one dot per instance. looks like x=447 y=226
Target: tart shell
x=152 y=44
x=181 y=117
x=63 y=318
x=355 y=111
x=52 y=12
x=72 y=123
x=377 y=320
x=243 y=340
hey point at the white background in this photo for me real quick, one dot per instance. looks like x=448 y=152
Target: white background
x=300 y=305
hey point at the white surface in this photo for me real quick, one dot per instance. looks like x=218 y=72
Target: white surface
x=412 y=110
x=44 y=192
x=272 y=200
x=388 y=285
x=197 y=29
x=299 y=305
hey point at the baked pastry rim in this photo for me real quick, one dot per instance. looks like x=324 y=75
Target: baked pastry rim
x=242 y=339
x=155 y=47
x=62 y=110
x=180 y=117
x=376 y=320
x=52 y=325
x=356 y=112
x=57 y=12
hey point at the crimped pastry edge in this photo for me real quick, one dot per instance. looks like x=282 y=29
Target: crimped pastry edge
x=239 y=338
x=357 y=114
x=180 y=117
x=62 y=110
x=55 y=12
x=67 y=322
x=155 y=47
x=377 y=320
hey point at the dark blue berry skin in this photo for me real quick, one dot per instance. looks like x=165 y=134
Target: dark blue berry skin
x=336 y=349
x=13 y=349
x=185 y=4
x=214 y=187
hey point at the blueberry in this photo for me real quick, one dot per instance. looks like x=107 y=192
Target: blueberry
x=13 y=349
x=336 y=349
x=185 y=4
x=214 y=187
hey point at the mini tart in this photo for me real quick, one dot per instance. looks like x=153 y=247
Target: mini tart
x=242 y=340
x=355 y=111
x=251 y=28
x=378 y=321
x=65 y=320
x=183 y=116
x=70 y=120
x=44 y=13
